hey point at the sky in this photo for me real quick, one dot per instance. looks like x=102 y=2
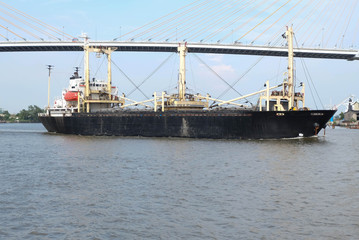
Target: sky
x=24 y=77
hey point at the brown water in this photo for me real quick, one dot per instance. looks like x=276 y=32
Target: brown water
x=73 y=187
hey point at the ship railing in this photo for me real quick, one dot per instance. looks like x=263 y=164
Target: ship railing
x=145 y=103
x=249 y=95
x=220 y=101
x=159 y=100
x=59 y=112
x=136 y=103
x=163 y=97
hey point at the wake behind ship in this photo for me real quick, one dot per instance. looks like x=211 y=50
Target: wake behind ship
x=95 y=108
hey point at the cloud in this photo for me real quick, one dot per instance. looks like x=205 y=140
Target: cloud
x=223 y=69
x=215 y=57
x=216 y=63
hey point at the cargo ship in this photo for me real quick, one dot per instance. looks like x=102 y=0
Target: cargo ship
x=95 y=108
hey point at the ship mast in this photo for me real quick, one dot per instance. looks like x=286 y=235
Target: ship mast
x=182 y=49
x=88 y=100
x=181 y=100
x=87 y=76
x=290 y=83
x=276 y=100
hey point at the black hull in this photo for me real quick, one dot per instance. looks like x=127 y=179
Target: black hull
x=237 y=124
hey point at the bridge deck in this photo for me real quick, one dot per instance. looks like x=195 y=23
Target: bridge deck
x=239 y=49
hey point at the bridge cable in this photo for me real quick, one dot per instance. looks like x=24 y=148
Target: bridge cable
x=13 y=32
x=207 y=16
x=356 y=31
x=190 y=19
x=302 y=24
x=219 y=21
x=337 y=17
x=29 y=24
x=169 y=20
x=24 y=30
x=333 y=23
x=349 y=19
x=315 y=9
x=51 y=28
x=211 y=23
x=290 y=22
x=274 y=36
x=4 y=37
x=175 y=18
x=326 y=19
x=156 y=20
x=264 y=20
x=345 y=12
x=251 y=19
x=151 y=74
x=328 y=8
x=236 y=19
x=277 y=20
x=312 y=28
x=355 y=35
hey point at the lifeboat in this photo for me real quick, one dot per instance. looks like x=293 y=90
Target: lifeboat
x=71 y=96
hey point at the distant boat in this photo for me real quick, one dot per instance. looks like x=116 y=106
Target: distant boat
x=95 y=108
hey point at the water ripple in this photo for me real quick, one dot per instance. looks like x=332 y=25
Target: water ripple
x=74 y=187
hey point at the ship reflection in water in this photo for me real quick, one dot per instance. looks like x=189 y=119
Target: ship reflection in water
x=57 y=186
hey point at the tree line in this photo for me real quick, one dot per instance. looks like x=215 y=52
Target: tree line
x=29 y=115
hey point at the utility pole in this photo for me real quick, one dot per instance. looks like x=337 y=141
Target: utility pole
x=49 y=67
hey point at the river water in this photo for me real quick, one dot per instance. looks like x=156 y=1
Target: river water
x=73 y=187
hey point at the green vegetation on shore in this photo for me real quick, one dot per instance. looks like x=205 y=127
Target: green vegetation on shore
x=29 y=116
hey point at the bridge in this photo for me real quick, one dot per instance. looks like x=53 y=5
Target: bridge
x=323 y=30
x=201 y=22
x=172 y=47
